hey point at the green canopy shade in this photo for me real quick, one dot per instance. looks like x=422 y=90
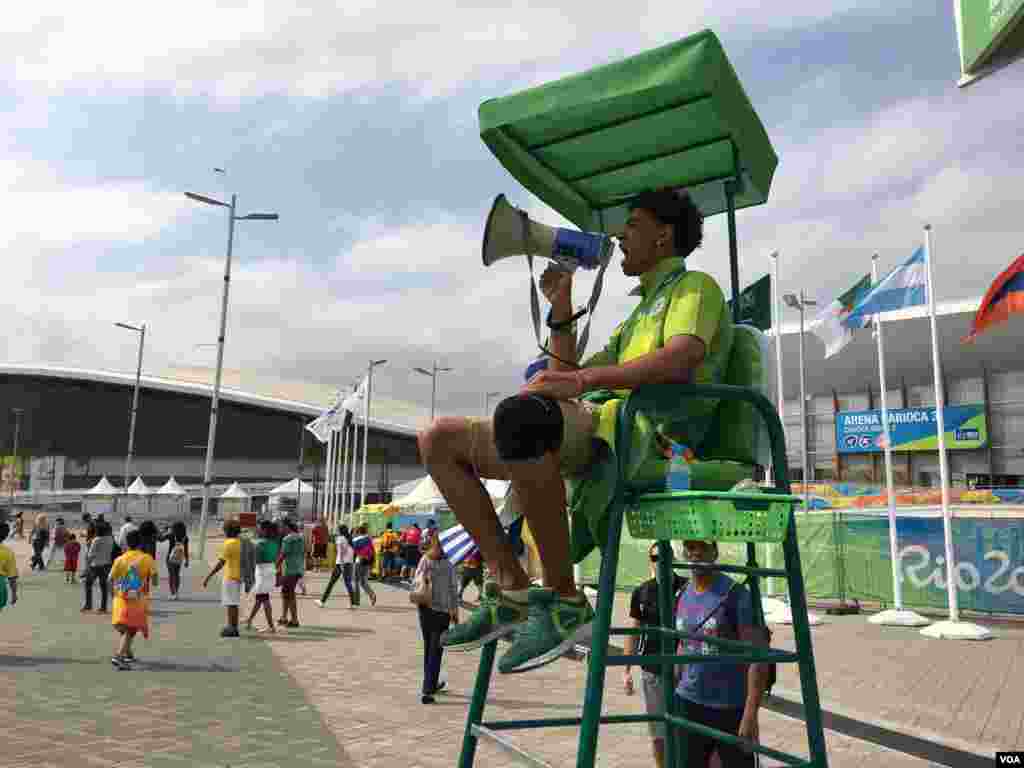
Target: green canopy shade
x=675 y=116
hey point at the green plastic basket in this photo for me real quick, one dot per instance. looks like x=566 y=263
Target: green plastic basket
x=710 y=515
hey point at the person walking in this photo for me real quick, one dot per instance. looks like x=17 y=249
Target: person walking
x=149 y=535
x=293 y=560
x=265 y=553
x=411 y=541
x=60 y=538
x=98 y=560
x=131 y=575
x=437 y=575
x=177 y=555
x=71 y=551
x=40 y=540
x=230 y=560
x=342 y=566
x=362 y=544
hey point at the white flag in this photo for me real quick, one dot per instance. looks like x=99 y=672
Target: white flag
x=354 y=402
x=328 y=421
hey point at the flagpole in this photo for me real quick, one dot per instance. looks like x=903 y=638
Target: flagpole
x=366 y=431
x=777 y=328
x=339 y=510
x=345 y=485
x=351 y=501
x=953 y=629
x=896 y=616
x=325 y=509
x=336 y=439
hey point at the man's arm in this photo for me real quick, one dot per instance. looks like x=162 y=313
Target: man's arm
x=217 y=567
x=672 y=364
x=757 y=681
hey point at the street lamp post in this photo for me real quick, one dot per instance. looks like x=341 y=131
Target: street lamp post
x=801 y=303
x=433 y=385
x=14 y=465
x=141 y=330
x=487 y=402
x=366 y=425
x=208 y=469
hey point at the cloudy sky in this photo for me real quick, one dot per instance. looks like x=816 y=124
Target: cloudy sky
x=356 y=121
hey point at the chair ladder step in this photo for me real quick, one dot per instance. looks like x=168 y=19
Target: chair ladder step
x=525 y=757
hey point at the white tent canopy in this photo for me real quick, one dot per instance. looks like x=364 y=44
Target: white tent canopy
x=423 y=495
x=171 y=488
x=100 y=499
x=139 y=488
x=103 y=488
x=170 y=501
x=287 y=498
x=136 y=502
x=292 y=488
x=233 y=502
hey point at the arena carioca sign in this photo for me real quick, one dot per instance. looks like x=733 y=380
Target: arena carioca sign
x=911 y=429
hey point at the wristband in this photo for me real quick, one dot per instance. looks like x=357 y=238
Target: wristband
x=565 y=326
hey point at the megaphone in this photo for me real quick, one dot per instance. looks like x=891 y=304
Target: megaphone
x=510 y=232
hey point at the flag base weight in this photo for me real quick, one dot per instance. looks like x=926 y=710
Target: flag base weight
x=785 y=616
x=899 y=617
x=770 y=605
x=956 y=630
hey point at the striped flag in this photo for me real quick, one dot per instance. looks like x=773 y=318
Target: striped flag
x=1005 y=297
x=828 y=325
x=905 y=286
x=457 y=544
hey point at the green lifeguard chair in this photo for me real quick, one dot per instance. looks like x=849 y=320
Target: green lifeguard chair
x=677 y=117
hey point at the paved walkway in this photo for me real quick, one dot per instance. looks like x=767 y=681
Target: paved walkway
x=343 y=690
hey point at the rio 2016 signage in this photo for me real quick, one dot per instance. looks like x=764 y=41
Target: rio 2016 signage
x=911 y=429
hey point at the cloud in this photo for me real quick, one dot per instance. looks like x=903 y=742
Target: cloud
x=42 y=208
x=232 y=50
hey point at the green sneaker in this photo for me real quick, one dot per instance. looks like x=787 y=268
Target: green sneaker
x=555 y=625
x=497 y=616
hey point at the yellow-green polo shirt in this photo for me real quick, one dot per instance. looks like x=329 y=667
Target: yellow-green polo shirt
x=674 y=302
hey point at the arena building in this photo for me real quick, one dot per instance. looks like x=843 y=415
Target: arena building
x=984 y=397
x=74 y=428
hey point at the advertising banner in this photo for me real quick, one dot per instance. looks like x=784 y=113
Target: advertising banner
x=989 y=556
x=911 y=429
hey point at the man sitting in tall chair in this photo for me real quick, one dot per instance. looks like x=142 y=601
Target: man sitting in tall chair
x=561 y=425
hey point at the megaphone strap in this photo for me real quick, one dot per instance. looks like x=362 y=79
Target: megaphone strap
x=595 y=294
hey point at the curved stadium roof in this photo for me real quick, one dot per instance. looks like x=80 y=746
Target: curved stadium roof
x=302 y=398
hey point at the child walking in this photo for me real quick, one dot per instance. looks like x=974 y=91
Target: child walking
x=266 y=547
x=71 y=550
x=231 y=584
x=130 y=578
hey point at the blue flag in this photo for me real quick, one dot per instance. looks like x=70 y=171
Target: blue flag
x=905 y=286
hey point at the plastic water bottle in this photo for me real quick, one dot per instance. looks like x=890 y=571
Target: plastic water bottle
x=678 y=478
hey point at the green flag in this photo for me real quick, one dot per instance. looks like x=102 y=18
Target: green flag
x=756 y=303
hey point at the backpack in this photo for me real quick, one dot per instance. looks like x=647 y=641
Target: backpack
x=731 y=618
x=177 y=555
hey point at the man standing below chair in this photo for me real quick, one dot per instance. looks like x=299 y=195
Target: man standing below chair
x=725 y=697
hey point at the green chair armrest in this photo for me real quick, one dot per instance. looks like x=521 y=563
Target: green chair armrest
x=661 y=401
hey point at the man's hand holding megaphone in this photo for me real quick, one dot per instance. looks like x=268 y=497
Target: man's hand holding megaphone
x=556 y=285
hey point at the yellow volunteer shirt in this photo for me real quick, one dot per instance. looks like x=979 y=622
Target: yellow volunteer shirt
x=674 y=302
x=8 y=563
x=231 y=554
